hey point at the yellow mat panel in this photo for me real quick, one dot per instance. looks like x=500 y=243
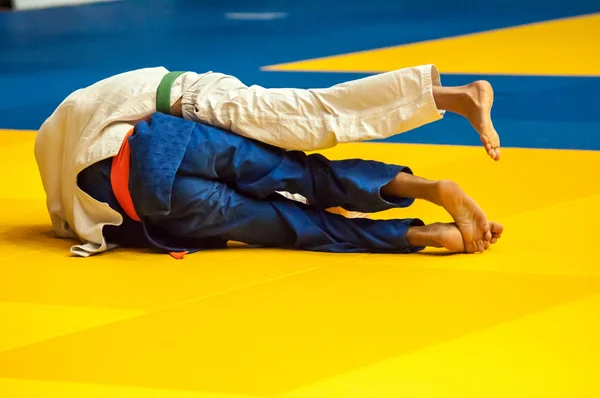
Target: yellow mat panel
x=560 y=47
x=521 y=320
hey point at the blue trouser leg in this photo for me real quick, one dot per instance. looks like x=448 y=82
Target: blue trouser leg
x=259 y=170
x=204 y=208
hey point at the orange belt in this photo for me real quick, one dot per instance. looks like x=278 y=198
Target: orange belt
x=119 y=180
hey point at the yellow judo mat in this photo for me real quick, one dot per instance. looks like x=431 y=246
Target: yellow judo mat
x=521 y=320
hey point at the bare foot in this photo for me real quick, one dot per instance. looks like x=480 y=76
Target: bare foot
x=474 y=102
x=479 y=113
x=468 y=216
x=441 y=235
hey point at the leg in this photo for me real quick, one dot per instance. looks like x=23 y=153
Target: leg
x=203 y=209
x=259 y=170
x=211 y=210
x=375 y=107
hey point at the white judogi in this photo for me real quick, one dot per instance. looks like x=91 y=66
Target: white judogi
x=91 y=124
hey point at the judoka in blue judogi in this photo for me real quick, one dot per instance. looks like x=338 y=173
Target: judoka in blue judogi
x=194 y=186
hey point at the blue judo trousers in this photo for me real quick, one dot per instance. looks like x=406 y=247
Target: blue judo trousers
x=196 y=186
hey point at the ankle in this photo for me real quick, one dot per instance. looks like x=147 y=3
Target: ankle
x=438 y=191
x=421 y=236
x=454 y=99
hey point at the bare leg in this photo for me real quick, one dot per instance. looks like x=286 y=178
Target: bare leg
x=474 y=102
x=469 y=218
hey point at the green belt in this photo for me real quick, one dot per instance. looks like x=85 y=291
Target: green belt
x=163 y=93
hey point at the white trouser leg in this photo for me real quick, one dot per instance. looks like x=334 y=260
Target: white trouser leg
x=374 y=107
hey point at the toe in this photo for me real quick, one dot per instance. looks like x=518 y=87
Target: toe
x=486 y=244
x=488 y=236
x=494 y=154
x=494 y=240
x=480 y=246
x=496 y=228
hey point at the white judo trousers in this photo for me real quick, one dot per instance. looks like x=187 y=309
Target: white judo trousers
x=374 y=107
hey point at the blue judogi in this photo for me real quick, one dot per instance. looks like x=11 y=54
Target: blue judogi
x=196 y=186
